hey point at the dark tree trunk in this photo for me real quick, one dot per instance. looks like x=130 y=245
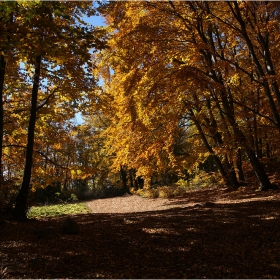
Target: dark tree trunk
x=226 y=98
x=260 y=152
x=131 y=178
x=239 y=168
x=231 y=175
x=259 y=171
x=243 y=142
x=2 y=77
x=139 y=182
x=21 y=200
x=257 y=140
x=228 y=167
x=124 y=179
x=268 y=153
x=136 y=184
x=256 y=164
x=241 y=139
x=220 y=166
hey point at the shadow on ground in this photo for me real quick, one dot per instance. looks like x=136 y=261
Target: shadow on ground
x=206 y=240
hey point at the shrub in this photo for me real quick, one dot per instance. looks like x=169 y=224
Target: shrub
x=149 y=193
x=162 y=192
x=166 y=192
x=201 y=179
x=8 y=193
x=179 y=191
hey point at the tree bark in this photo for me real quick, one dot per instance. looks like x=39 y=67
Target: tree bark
x=239 y=168
x=124 y=179
x=256 y=164
x=242 y=141
x=131 y=178
x=210 y=150
x=2 y=77
x=228 y=167
x=216 y=135
x=21 y=200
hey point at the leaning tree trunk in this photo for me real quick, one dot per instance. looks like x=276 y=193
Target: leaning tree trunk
x=256 y=164
x=226 y=178
x=21 y=200
x=2 y=76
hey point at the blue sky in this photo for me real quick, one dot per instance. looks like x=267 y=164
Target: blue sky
x=95 y=20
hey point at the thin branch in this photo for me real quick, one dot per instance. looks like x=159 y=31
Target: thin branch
x=46 y=100
x=254 y=111
x=51 y=161
x=38 y=152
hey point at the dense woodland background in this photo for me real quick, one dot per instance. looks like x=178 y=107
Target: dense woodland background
x=173 y=95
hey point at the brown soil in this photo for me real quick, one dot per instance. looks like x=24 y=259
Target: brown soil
x=210 y=233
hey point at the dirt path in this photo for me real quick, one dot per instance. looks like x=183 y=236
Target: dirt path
x=128 y=204
x=133 y=203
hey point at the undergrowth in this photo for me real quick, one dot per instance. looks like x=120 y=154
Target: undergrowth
x=200 y=180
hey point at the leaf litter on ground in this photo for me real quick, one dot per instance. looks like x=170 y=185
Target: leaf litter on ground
x=208 y=233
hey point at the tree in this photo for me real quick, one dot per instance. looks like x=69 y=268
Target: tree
x=6 y=22
x=58 y=45
x=192 y=62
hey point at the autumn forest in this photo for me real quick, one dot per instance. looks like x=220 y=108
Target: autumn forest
x=167 y=90
x=151 y=143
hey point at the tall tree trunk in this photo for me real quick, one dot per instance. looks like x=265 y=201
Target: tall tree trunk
x=210 y=150
x=225 y=96
x=21 y=200
x=267 y=146
x=256 y=164
x=260 y=152
x=256 y=137
x=131 y=178
x=239 y=168
x=2 y=76
x=124 y=179
x=243 y=142
x=241 y=139
x=213 y=127
x=228 y=167
x=259 y=171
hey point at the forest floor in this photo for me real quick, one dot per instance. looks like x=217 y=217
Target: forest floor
x=207 y=233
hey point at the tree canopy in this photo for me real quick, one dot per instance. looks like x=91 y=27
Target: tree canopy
x=204 y=70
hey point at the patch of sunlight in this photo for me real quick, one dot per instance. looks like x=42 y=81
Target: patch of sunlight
x=184 y=249
x=160 y=231
x=128 y=221
x=270 y=218
x=14 y=244
x=191 y=229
